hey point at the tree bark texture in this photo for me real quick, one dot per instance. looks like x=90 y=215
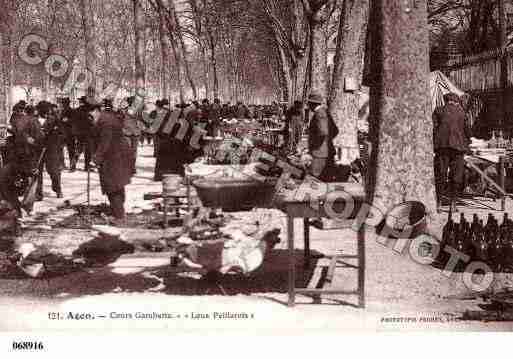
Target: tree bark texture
x=183 y=48
x=140 y=78
x=344 y=106
x=400 y=106
x=89 y=43
x=4 y=111
x=317 y=13
x=163 y=59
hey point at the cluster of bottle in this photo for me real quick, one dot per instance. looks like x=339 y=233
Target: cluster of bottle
x=491 y=243
x=498 y=141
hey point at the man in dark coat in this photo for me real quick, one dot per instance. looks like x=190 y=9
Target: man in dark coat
x=451 y=140
x=241 y=111
x=214 y=118
x=113 y=157
x=321 y=132
x=293 y=126
x=131 y=128
x=52 y=142
x=82 y=130
x=66 y=116
x=27 y=134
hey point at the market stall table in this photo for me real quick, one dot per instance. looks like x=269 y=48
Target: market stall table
x=330 y=203
x=501 y=160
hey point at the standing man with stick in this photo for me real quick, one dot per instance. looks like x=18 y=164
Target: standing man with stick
x=112 y=155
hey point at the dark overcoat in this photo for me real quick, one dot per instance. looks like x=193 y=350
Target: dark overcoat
x=112 y=153
x=80 y=122
x=23 y=128
x=450 y=128
x=321 y=132
x=53 y=140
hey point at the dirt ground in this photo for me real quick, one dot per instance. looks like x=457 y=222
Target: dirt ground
x=400 y=294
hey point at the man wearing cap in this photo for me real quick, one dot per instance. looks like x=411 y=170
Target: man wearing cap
x=451 y=141
x=27 y=133
x=321 y=132
x=112 y=155
x=214 y=117
x=131 y=128
x=82 y=130
x=65 y=117
x=52 y=140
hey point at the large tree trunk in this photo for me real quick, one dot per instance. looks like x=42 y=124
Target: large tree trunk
x=7 y=71
x=178 y=71
x=163 y=59
x=213 y=63
x=89 y=43
x=318 y=13
x=140 y=78
x=400 y=105
x=285 y=78
x=348 y=63
x=170 y=24
x=183 y=48
x=206 y=72
x=4 y=74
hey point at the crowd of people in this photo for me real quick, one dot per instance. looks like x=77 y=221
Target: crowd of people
x=39 y=134
x=108 y=140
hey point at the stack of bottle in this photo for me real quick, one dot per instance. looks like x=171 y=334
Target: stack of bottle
x=491 y=242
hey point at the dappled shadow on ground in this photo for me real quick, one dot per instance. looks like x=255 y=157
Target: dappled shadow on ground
x=272 y=277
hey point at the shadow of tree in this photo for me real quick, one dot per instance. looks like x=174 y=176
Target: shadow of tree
x=272 y=277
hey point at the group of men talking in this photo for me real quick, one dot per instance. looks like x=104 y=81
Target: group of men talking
x=37 y=138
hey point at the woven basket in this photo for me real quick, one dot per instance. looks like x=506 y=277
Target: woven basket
x=235 y=194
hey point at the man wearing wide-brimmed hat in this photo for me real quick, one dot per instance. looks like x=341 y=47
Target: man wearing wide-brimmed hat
x=65 y=117
x=451 y=141
x=112 y=155
x=131 y=128
x=82 y=127
x=321 y=132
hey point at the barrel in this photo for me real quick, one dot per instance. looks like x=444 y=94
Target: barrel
x=171 y=184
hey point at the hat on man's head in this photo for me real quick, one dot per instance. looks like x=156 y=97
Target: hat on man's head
x=19 y=106
x=164 y=102
x=158 y=103
x=30 y=110
x=65 y=100
x=94 y=105
x=315 y=98
x=182 y=105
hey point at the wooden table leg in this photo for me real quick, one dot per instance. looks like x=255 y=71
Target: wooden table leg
x=164 y=205
x=306 y=237
x=361 y=266
x=502 y=182
x=292 y=261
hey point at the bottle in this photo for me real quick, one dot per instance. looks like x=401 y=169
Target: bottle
x=482 y=244
x=474 y=237
x=502 y=246
x=475 y=223
x=447 y=233
x=461 y=234
x=505 y=220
